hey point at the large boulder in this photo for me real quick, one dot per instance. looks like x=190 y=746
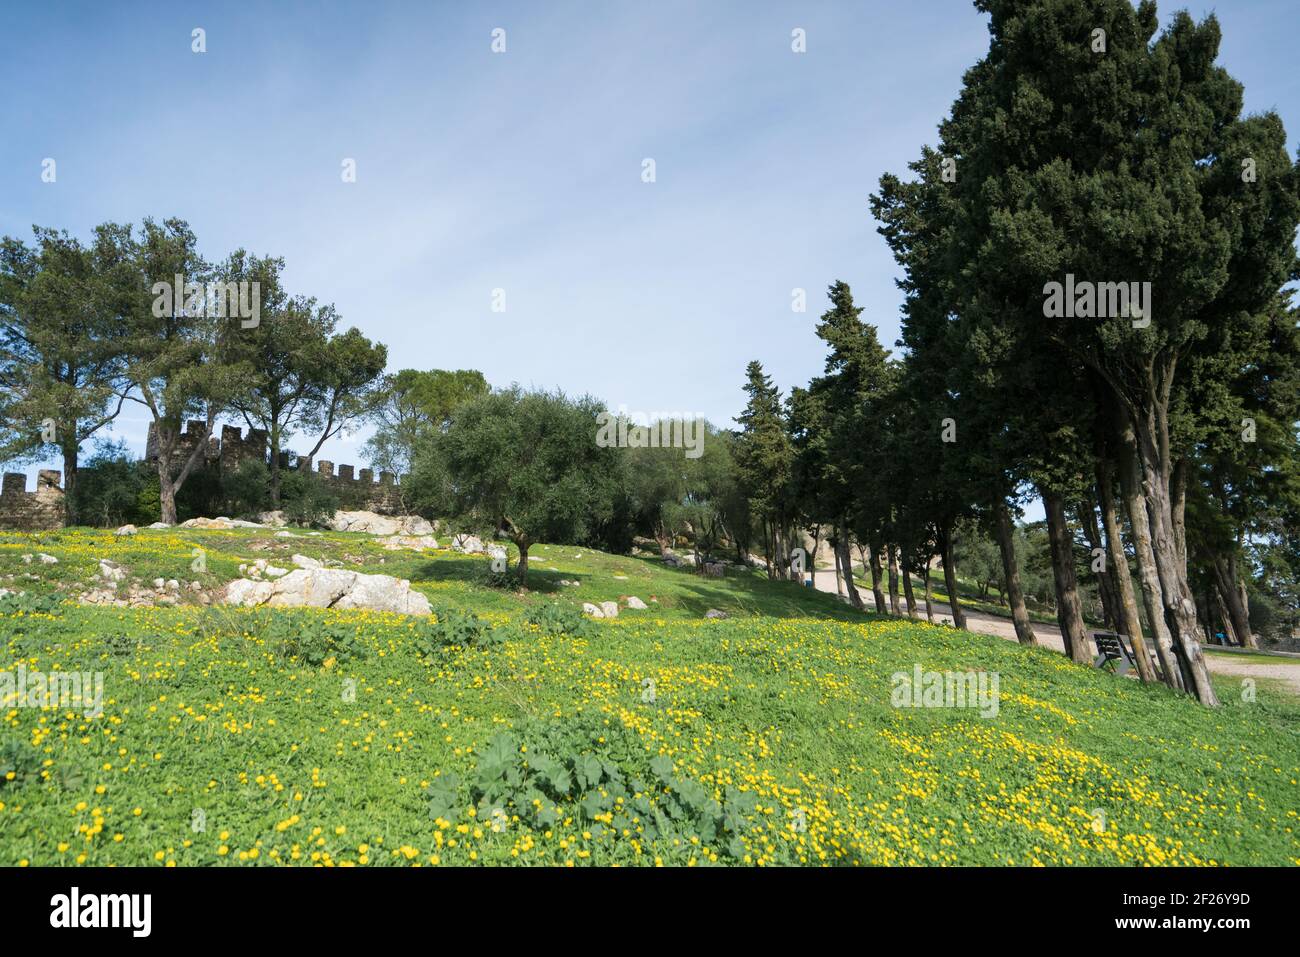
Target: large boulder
x=412 y=542
x=469 y=544
x=369 y=522
x=329 y=588
x=415 y=525
x=634 y=602
x=220 y=522
x=375 y=524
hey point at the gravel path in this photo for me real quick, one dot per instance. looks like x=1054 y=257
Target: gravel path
x=1286 y=670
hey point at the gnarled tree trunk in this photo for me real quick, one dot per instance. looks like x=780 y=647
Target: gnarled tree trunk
x=1225 y=576
x=1069 y=614
x=1105 y=581
x=873 y=562
x=907 y=583
x=846 y=563
x=950 y=577
x=1175 y=590
x=1117 y=559
x=1140 y=525
x=1011 y=571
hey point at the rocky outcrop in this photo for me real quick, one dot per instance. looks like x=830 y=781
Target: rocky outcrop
x=469 y=544
x=317 y=587
x=221 y=522
x=375 y=524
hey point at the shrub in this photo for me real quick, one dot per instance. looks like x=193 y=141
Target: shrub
x=109 y=487
x=451 y=627
x=305 y=499
x=559 y=619
x=308 y=639
x=598 y=772
x=29 y=604
x=18 y=760
x=247 y=491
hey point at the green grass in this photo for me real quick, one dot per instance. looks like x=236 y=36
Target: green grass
x=766 y=738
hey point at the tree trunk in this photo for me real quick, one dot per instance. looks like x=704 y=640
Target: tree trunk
x=812 y=559
x=846 y=562
x=893 y=578
x=1011 y=570
x=907 y=583
x=1117 y=560
x=1140 y=525
x=166 y=490
x=1178 y=496
x=767 y=549
x=1175 y=591
x=1245 y=610
x=950 y=578
x=1225 y=618
x=1068 y=613
x=275 y=468
x=70 y=483
x=1204 y=614
x=1225 y=575
x=877 y=574
x=929 y=605
x=1087 y=513
x=839 y=576
x=522 y=545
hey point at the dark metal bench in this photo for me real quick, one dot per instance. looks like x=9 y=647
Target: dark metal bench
x=1111 y=647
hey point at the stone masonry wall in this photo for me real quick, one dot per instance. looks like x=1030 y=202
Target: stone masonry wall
x=38 y=511
x=228 y=451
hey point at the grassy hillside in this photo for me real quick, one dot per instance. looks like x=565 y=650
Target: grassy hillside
x=246 y=736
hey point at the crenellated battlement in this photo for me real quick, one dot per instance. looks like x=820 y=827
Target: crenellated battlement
x=38 y=511
x=228 y=448
x=227 y=451
x=379 y=496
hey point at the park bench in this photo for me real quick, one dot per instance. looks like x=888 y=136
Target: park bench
x=1111 y=647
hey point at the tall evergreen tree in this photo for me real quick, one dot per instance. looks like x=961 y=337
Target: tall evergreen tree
x=765 y=464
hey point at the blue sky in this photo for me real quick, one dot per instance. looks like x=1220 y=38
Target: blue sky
x=522 y=170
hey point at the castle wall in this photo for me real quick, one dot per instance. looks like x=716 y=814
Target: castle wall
x=43 y=510
x=229 y=450
x=38 y=511
x=359 y=488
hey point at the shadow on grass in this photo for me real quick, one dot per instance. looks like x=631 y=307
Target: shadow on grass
x=740 y=593
x=474 y=570
x=747 y=593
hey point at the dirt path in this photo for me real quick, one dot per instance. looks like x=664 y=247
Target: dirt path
x=1050 y=636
